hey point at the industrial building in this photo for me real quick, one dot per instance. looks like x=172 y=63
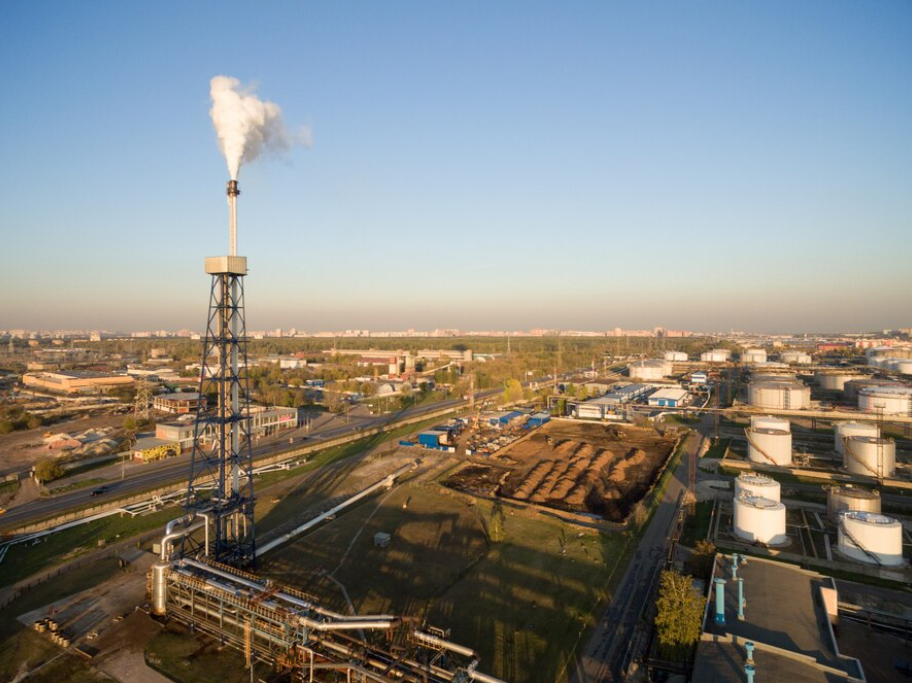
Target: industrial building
x=676 y=356
x=753 y=356
x=179 y=403
x=795 y=358
x=538 y=419
x=773 y=621
x=263 y=421
x=669 y=397
x=69 y=383
x=152 y=448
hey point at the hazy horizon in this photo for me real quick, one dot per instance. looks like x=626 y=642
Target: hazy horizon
x=476 y=167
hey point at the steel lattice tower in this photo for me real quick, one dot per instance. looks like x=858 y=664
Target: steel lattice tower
x=221 y=486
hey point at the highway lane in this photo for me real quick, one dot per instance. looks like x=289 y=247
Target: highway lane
x=172 y=471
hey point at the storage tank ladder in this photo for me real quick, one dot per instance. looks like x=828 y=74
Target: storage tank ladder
x=757 y=448
x=855 y=542
x=787 y=399
x=848 y=450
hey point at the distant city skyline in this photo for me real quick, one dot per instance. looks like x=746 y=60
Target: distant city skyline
x=506 y=166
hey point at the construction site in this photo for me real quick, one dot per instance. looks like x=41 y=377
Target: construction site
x=589 y=468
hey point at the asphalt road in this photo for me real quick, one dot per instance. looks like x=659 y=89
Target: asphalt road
x=159 y=474
x=603 y=657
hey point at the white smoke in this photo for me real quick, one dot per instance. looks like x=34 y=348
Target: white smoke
x=246 y=125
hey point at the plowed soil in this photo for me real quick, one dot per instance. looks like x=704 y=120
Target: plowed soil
x=583 y=467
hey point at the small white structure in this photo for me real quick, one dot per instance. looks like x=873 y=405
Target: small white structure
x=781 y=394
x=795 y=357
x=844 y=430
x=848 y=498
x=870 y=456
x=753 y=356
x=759 y=520
x=716 y=356
x=382 y=539
x=757 y=485
x=891 y=400
x=871 y=538
x=834 y=380
x=676 y=356
x=648 y=370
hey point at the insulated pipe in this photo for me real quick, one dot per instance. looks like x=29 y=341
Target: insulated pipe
x=428 y=639
x=740 y=599
x=354 y=620
x=734 y=567
x=166 y=548
x=484 y=678
x=749 y=672
x=720 y=601
x=749 y=648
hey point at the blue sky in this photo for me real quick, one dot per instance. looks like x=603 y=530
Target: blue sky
x=698 y=165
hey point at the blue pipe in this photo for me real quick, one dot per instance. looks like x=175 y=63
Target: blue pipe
x=720 y=601
x=734 y=567
x=741 y=599
x=749 y=671
x=749 y=647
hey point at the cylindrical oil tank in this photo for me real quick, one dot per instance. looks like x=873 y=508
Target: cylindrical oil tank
x=753 y=356
x=650 y=369
x=891 y=400
x=831 y=380
x=160 y=587
x=780 y=395
x=846 y=429
x=795 y=357
x=870 y=456
x=770 y=422
x=850 y=498
x=760 y=520
x=757 y=485
x=889 y=352
x=863 y=534
x=769 y=446
x=853 y=387
x=716 y=356
x=676 y=356
x=901 y=365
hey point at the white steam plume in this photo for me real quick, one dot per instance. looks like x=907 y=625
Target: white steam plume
x=246 y=125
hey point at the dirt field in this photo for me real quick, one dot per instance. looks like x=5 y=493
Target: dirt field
x=593 y=468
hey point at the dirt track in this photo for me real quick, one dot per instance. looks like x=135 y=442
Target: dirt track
x=584 y=467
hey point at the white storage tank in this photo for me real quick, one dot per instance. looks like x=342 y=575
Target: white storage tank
x=870 y=537
x=753 y=356
x=770 y=422
x=901 y=365
x=716 y=356
x=757 y=485
x=676 y=356
x=853 y=387
x=769 y=446
x=831 y=380
x=778 y=394
x=850 y=498
x=891 y=400
x=760 y=520
x=846 y=429
x=889 y=352
x=649 y=369
x=870 y=456
x=795 y=357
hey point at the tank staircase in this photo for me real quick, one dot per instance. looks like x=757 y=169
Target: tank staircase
x=787 y=400
x=860 y=461
x=757 y=448
x=856 y=543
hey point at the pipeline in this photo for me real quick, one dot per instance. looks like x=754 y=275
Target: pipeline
x=428 y=639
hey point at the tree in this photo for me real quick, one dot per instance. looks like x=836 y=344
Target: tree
x=48 y=470
x=129 y=423
x=680 y=614
x=496 y=531
x=702 y=558
x=513 y=391
x=639 y=514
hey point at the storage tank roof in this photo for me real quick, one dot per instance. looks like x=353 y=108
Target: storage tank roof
x=887 y=391
x=760 y=502
x=756 y=479
x=852 y=492
x=870 y=517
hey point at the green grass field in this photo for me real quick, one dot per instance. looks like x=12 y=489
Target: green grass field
x=717 y=450
x=182 y=656
x=523 y=603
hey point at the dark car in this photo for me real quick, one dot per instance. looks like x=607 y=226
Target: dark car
x=100 y=491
